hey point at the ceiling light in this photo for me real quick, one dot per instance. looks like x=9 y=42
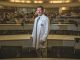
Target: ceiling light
x=12 y=0
x=63 y=8
x=55 y=2
x=38 y=1
x=28 y=1
x=59 y=1
x=17 y=1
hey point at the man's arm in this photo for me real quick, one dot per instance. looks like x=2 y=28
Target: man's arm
x=47 y=28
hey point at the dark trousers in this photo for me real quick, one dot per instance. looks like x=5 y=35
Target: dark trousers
x=42 y=52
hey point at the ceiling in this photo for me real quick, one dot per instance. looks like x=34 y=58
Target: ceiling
x=45 y=3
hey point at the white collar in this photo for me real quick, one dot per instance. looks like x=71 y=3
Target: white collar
x=41 y=15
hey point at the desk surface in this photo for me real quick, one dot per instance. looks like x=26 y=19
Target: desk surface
x=27 y=36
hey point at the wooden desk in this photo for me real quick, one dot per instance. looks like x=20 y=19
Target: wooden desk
x=25 y=37
x=30 y=27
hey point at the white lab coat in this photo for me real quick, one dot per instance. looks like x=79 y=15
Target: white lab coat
x=42 y=31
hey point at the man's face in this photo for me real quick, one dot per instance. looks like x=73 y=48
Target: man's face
x=39 y=11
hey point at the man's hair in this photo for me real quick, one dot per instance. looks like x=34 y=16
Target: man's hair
x=41 y=7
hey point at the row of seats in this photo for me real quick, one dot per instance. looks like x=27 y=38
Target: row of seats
x=29 y=52
x=14 y=32
x=59 y=32
x=65 y=32
x=10 y=51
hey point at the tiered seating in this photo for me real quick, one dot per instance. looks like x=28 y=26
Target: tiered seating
x=77 y=47
x=56 y=32
x=10 y=51
x=60 y=51
x=29 y=52
x=17 y=52
x=64 y=32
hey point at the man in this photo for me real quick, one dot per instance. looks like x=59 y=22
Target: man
x=40 y=32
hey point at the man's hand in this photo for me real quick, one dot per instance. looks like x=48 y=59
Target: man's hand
x=42 y=42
